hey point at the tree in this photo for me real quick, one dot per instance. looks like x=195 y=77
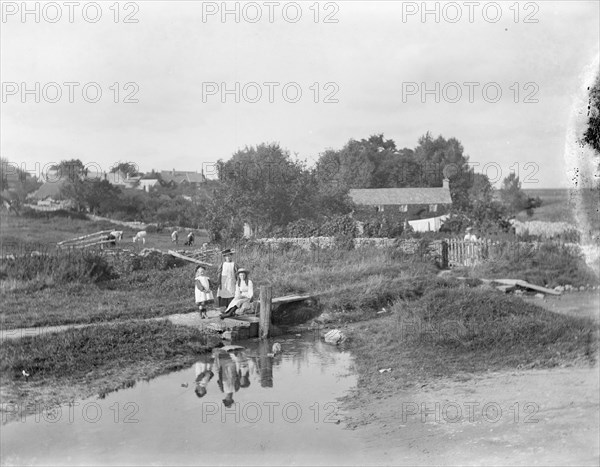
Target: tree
x=97 y=196
x=128 y=168
x=441 y=158
x=592 y=133
x=71 y=169
x=511 y=194
x=261 y=185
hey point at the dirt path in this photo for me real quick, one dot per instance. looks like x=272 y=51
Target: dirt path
x=544 y=417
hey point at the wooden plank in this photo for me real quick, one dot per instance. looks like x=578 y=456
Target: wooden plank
x=526 y=285
x=83 y=237
x=265 y=311
x=291 y=298
x=187 y=258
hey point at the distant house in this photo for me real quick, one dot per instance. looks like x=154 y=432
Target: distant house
x=147 y=183
x=178 y=177
x=49 y=195
x=399 y=204
x=118 y=178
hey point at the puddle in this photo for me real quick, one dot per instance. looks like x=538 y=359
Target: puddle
x=284 y=412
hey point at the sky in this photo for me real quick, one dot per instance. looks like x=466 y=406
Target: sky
x=184 y=85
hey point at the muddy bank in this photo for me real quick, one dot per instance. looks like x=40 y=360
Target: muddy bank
x=537 y=417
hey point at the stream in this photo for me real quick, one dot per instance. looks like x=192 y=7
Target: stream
x=253 y=408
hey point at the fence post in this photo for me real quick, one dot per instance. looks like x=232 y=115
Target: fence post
x=265 y=311
x=444 y=254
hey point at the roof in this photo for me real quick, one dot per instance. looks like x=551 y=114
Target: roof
x=178 y=176
x=398 y=196
x=49 y=190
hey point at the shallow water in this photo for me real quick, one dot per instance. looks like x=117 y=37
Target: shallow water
x=287 y=415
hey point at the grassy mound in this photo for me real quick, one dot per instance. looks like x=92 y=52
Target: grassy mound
x=455 y=331
x=550 y=265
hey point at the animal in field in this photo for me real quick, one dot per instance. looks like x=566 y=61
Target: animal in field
x=190 y=239
x=140 y=236
x=118 y=234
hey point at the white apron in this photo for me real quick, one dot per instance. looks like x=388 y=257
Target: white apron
x=227 y=287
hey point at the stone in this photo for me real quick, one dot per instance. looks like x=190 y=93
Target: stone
x=335 y=336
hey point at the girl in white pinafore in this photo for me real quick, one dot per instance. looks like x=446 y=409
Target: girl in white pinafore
x=203 y=294
x=227 y=275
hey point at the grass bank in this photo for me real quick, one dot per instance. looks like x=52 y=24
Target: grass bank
x=549 y=265
x=79 y=363
x=458 y=332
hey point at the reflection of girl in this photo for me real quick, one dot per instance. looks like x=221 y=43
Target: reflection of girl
x=228 y=381
x=226 y=275
x=244 y=366
x=203 y=374
x=204 y=295
x=244 y=292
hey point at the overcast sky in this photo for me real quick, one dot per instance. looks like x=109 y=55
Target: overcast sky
x=377 y=58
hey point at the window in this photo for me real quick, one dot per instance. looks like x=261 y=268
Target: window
x=433 y=207
x=403 y=208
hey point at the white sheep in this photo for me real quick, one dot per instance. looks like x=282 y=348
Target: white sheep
x=141 y=235
x=118 y=234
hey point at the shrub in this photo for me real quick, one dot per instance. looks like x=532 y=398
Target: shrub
x=339 y=225
x=303 y=228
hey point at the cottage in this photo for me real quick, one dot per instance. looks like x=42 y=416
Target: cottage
x=178 y=177
x=399 y=204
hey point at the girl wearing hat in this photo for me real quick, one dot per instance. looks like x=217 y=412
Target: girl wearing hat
x=204 y=295
x=244 y=292
x=227 y=274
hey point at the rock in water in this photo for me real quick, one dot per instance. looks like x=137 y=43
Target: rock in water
x=335 y=336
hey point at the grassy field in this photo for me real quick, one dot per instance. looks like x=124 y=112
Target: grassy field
x=558 y=205
x=45 y=232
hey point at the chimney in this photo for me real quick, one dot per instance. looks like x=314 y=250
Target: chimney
x=173 y=172
x=446 y=183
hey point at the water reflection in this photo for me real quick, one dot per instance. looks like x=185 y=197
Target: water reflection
x=275 y=409
x=236 y=368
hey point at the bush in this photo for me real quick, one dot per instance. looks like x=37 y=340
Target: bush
x=303 y=228
x=339 y=225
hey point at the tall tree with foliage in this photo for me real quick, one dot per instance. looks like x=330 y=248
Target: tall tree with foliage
x=261 y=185
x=72 y=169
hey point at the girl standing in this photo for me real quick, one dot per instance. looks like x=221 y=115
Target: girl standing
x=227 y=274
x=204 y=295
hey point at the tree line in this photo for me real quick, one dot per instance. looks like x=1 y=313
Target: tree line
x=277 y=194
